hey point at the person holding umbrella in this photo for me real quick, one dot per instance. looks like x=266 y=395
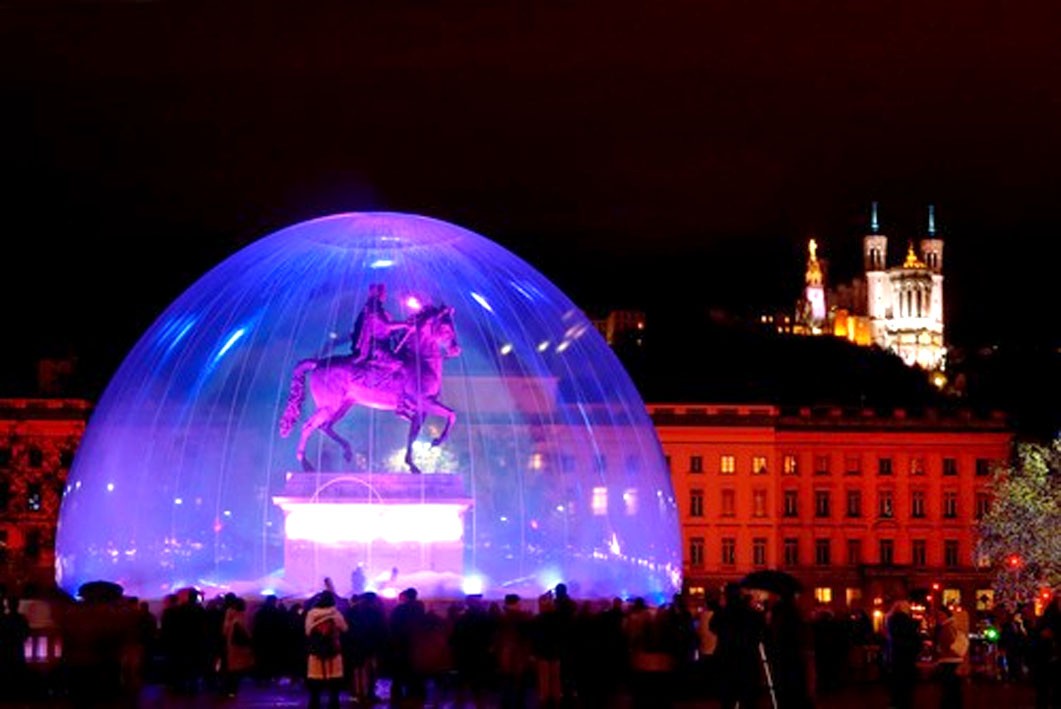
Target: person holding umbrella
x=787 y=648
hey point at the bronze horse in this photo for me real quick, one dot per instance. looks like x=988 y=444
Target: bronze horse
x=408 y=383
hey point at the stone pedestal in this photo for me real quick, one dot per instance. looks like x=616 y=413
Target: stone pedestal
x=401 y=526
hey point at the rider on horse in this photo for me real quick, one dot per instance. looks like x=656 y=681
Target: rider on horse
x=371 y=338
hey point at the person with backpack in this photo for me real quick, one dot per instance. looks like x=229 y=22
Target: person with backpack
x=324 y=659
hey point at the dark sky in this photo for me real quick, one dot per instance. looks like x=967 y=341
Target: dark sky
x=671 y=156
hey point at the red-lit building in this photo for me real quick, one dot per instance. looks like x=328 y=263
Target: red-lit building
x=859 y=505
x=38 y=439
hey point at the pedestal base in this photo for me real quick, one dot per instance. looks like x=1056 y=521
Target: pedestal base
x=400 y=529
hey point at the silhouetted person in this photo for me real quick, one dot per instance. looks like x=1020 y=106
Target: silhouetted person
x=739 y=628
x=904 y=645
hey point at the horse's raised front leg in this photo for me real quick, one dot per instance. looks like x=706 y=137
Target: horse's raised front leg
x=439 y=409
x=415 y=422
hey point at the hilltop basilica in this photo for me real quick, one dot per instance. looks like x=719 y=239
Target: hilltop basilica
x=897 y=308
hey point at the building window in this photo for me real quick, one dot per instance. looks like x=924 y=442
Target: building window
x=789 y=465
x=599 y=501
x=36 y=457
x=667 y=461
x=917 y=553
x=758 y=465
x=917 y=504
x=759 y=551
x=983 y=467
x=884 y=466
x=729 y=551
x=696 y=464
x=853 y=596
x=854 y=503
x=729 y=503
x=885 y=504
x=758 y=503
x=791 y=551
x=821 y=503
x=696 y=503
x=917 y=466
x=821 y=465
x=696 y=551
x=950 y=553
x=950 y=466
x=887 y=552
x=5 y=495
x=791 y=503
x=727 y=465
x=854 y=552
x=66 y=459
x=950 y=505
x=983 y=504
x=33 y=544
x=821 y=552
x=852 y=465
x=5 y=456
x=823 y=594
x=33 y=497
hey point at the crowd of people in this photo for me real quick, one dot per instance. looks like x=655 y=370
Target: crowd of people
x=744 y=648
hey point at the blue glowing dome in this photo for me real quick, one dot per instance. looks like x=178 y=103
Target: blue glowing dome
x=551 y=471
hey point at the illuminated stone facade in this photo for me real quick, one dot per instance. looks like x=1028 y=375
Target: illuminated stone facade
x=38 y=438
x=857 y=504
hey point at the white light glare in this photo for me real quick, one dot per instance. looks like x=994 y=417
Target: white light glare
x=481 y=301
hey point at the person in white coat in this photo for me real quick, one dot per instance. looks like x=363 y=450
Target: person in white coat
x=324 y=671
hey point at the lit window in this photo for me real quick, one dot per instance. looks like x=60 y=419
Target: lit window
x=952 y=597
x=789 y=466
x=917 y=466
x=599 y=501
x=852 y=596
x=630 y=501
x=537 y=461
x=985 y=599
x=758 y=465
x=823 y=594
x=727 y=465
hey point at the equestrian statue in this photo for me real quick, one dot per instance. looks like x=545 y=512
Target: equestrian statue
x=394 y=366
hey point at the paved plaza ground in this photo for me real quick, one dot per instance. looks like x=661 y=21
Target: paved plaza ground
x=979 y=694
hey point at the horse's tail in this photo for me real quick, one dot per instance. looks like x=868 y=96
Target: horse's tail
x=294 y=400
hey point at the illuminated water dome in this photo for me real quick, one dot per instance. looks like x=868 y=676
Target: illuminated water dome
x=552 y=469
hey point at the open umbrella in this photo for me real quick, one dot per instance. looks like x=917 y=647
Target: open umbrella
x=772 y=581
x=100 y=591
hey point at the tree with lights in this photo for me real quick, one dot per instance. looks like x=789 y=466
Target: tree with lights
x=1021 y=533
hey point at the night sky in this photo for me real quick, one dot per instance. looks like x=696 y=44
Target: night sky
x=672 y=157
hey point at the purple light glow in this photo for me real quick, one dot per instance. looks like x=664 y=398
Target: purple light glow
x=182 y=477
